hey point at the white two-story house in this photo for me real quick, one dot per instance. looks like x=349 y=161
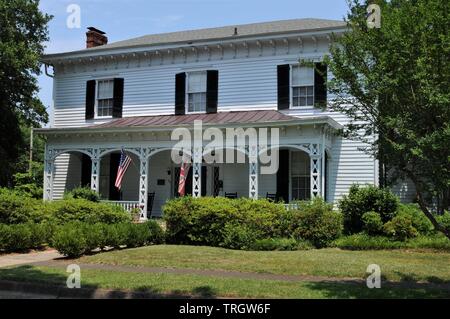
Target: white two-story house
x=132 y=94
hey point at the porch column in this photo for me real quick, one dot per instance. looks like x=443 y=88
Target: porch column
x=95 y=170
x=253 y=172
x=316 y=170
x=197 y=171
x=49 y=164
x=143 y=184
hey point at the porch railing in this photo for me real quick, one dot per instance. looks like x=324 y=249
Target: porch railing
x=291 y=206
x=127 y=205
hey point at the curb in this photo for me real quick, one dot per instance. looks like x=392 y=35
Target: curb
x=83 y=293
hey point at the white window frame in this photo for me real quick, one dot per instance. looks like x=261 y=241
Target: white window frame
x=97 y=81
x=291 y=90
x=186 y=106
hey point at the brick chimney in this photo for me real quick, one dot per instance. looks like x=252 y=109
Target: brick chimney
x=95 y=38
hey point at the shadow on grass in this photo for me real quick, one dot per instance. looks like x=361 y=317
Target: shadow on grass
x=388 y=290
x=32 y=280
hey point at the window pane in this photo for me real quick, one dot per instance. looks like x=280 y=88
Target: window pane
x=196 y=82
x=310 y=100
x=302 y=76
x=105 y=89
x=197 y=102
x=302 y=101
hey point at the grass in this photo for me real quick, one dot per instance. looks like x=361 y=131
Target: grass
x=396 y=265
x=174 y=285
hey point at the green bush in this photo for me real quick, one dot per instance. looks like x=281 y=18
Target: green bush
x=17 y=209
x=372 y=223
x=155 y=233
x=365 y=199
x=29 y=185
x=444 y=220
x=418 y=219
x=95 y=236
x=400 y=228
x=70 y=240
x=288 y=244
x=83 y=193
x=201 y=221
x=137 y=235
x=364 y=241
x=82 y=210
x=20 y=237
x=238 y=237
x=316 y=222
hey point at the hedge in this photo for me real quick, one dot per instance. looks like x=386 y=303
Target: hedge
x=238 y=224
x=23 y=237
x=76 y=238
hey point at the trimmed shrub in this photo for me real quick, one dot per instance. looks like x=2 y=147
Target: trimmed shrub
x=155 y=233
x=372 y=223
x=365 y=199
x=364 y=241
x=22 y=237
x=83 y=193
x=418 y=219
x=238 y=237
x=17 y=209
x=40 y=234
x=95 y=235
x=82 y=210
x=316 y=222
x=400 y=228
x=137 y=235
x=288 y=244
x=70 y=240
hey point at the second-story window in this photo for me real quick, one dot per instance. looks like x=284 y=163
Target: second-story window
x=105 y=98
x=196 y=91
x=302 y=86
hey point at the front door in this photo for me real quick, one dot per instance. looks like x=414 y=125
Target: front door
x=114 y=161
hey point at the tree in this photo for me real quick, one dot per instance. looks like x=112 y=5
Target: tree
x=392 y=83
x=23 y=30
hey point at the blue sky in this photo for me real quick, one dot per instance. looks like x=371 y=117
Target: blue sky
x=124 y=19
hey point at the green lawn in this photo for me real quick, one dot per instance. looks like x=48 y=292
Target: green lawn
x=395 y=265
x=407 y=274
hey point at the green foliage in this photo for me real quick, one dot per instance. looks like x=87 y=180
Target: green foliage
x=83 y=193
x=70 y=240
x=364 y=241
x=17 y=209
x=85 y=211
x=444 y=220
x=400 y=228
x=316 y=222
x=23 y=33
x=20 y=237
x=418 y=219
x=155 y=233
x=365 y=199
x=237 y=236
x=26 y=184
x=393 y=82
x=95 y=236
x=238 y=223
x=281 y=244
x=372 y=223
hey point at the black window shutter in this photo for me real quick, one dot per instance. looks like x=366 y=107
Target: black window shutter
x=283 y=177
x=320 y=85
x=90 y=99
x=212 y=91
x=283 y=72
x=180 y=94
x=118 y=98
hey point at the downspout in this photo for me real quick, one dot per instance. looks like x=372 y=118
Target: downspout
x=46 y=70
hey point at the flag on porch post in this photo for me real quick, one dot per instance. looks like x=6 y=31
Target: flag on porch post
x=184 y=171
x=125 y=161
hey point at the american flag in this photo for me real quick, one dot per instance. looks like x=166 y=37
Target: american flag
x=183 y=175
x=125 y=161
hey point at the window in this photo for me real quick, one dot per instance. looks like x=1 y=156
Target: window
x=105 y=94
x=196 y=90
x=302 y=86
x=300 y=176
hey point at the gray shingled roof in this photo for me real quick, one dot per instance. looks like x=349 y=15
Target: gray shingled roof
x=244 y=30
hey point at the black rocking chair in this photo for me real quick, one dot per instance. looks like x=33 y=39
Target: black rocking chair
x=231 y=195
x=150 y=200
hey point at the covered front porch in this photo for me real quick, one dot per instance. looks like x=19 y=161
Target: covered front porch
x=90 y=157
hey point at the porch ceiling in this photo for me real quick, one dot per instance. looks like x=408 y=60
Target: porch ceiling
x=221 y=119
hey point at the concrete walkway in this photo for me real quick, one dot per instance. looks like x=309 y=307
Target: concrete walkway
x=29 y=258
